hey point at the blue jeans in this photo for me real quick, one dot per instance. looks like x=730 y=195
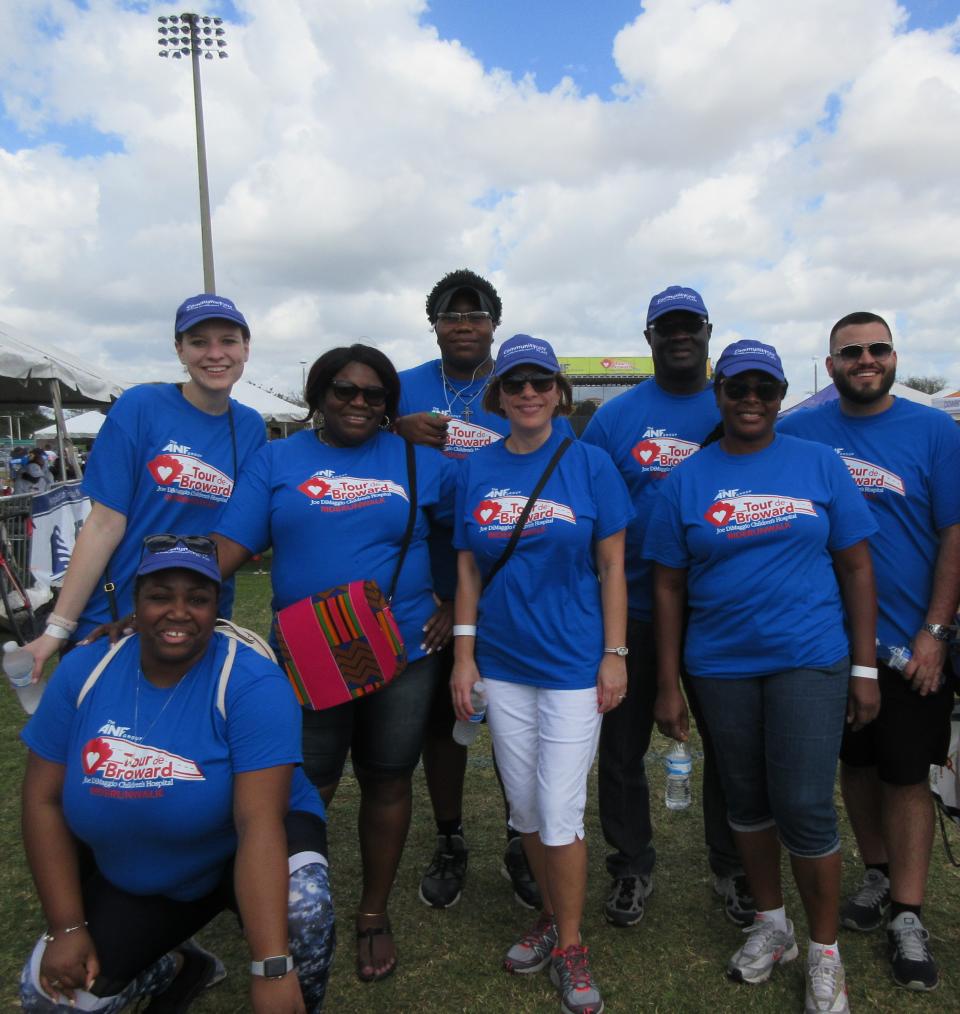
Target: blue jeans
x=777 y=740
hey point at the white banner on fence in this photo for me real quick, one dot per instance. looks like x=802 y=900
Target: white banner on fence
x=58 y=516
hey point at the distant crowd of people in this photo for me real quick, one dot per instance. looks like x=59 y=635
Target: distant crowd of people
x=691 y=555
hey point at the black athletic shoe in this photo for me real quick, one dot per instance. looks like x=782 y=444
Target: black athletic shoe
x=442 y=884
x=913 y=964
x=516 y=869
x=867 y=909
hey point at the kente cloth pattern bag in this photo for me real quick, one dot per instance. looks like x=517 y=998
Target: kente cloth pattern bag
x=343 y=643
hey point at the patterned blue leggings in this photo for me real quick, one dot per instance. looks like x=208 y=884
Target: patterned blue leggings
x=312 y=940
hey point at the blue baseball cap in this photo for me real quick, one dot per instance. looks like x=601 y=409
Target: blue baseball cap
x=179 y=553
x=750 y=355
x=207 y=306
x=676 y=297
x=523 y=350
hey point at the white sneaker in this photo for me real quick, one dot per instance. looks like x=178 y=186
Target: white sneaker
x=826 y=985
x=766 y=946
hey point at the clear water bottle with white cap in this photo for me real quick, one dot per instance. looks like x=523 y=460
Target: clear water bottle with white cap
x=895 y=656
x=18 y=665
x=465 y=731
x=679 y=764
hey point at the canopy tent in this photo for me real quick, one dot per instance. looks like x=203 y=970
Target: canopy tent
x=271 y=407
x=86 y=425
x=950 y=403
x=829 y=393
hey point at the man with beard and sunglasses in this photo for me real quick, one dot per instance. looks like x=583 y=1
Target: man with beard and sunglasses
x=906 y=460
x=648 y=431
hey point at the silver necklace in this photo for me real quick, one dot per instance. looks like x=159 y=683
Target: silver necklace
x=166 y=704
x=448 y=386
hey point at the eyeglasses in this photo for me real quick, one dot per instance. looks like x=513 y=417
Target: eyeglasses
x=668 y=328
x=852 y=353
x=540 y=382
x=470 y=317
x=166 y=541
x=765 y=390
x=344 y=391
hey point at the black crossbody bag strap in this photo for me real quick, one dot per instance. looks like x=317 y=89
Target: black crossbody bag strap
x=525 y=513
x=411 y=517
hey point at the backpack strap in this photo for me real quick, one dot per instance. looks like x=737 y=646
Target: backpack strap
x=99 y=667
x=225 y=671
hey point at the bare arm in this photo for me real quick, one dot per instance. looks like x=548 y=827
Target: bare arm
x=231 y=555
x=427 y=428
x=261 y=880
x=99 y=537
x=70 y=959
x=669 y=597
x=465 y=672
x=925 y=669
x=612 y=675
x=854 y=570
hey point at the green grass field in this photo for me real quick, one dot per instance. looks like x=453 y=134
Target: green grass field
x=450 y=961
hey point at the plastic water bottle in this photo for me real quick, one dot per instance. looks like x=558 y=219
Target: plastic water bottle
x=679 y=765
x=896 y=657
x=465 y=732
x=18 y=665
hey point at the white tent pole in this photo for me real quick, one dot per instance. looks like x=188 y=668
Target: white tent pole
x=61 y=426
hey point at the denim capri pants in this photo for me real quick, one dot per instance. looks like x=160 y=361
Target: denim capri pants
x=777 y=739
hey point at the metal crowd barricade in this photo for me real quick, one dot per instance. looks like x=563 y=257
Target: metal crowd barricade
x=15 y=534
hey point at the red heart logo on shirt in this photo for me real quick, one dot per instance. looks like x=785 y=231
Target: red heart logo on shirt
x=720 y=513
x=95 y=754
x=314 y=488
x=646 y=451
x=165 y=469
x=486 y=511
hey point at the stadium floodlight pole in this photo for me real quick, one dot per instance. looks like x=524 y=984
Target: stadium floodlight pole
x=191 y=35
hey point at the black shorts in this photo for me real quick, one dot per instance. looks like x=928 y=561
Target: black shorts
x=910 y=733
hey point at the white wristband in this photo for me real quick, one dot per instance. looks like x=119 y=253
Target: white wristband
x=464 y=630
x=62 y=621
x=864 y=672
x=55 y=630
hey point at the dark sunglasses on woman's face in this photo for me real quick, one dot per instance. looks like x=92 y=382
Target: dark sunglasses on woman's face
x=540 y=382
x=344 y=391
x=689 y=325
x=765 y=390
x=196 y=543
x=852 y=353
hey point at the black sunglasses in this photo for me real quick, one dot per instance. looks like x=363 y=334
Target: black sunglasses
x=196 y=543
x=765 y=390
x=852 y=353
x=669 y=328
x=540 y=382
x=343 y=390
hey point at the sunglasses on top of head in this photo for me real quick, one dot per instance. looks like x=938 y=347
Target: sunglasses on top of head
x=765 y=390
x=166 y=541
x=540 y=382
x=852 y=353
x=344 y=391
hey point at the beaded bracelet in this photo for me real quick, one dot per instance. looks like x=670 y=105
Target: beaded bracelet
x=49 y=937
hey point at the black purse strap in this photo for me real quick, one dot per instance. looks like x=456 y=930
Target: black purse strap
x=411 y=517
x=525 y=513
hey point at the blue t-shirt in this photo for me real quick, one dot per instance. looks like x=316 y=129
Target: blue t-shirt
x=167 y=467
x=470 y=427
x=755 y=532
x=338 y=514
x=149 y=772
x=540 y=621
x=906 y=462
x=648 y=432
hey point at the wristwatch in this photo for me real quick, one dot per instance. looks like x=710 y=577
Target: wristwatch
x=938 y=631
x=621 y=651
x=272 y=968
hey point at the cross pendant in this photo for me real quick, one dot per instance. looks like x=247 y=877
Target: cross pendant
x=467 y=413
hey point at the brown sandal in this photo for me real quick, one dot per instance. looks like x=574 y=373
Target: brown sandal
x=365 y=945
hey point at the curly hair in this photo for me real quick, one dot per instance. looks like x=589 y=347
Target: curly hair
x=463 y=278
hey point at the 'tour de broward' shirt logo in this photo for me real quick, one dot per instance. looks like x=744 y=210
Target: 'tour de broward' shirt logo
x=871 y=478
x=658 y=452
x=498 y=512
x=112 y=762
x=463 y=438
x=737 y=514
x=346 y=492
x=179 y=472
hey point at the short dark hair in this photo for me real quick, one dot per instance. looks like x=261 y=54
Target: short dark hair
x=245 y=331
x=334 y=360
x=463 y=278
x=858 y=317
x=491 y=397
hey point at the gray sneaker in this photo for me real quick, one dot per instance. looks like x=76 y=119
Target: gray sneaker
x=738 y=903
x=766 y=946
x=826 y=985
x=570 y=973
x=532 y=951
x=624 y=906
x=867 y=909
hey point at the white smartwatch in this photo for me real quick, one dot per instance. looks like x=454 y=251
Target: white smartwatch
x=272 y=968
x=621 y=651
